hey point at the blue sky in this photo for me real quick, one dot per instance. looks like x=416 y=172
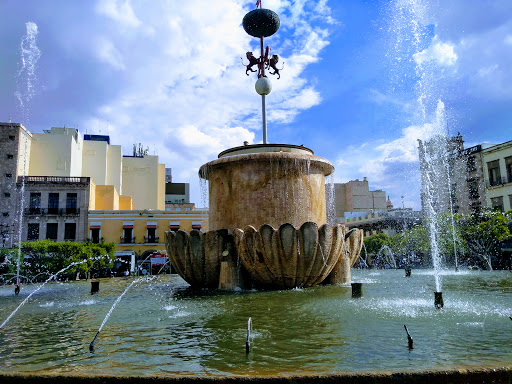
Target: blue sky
x=362 y=80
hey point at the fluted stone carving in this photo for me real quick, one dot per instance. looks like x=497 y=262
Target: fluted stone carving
x=197 y=256
x=289 y=257
x=352 y=248
x=272 y=258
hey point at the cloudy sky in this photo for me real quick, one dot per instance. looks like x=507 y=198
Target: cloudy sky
x=362 y=80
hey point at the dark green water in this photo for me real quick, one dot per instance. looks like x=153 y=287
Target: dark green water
x=162 y=328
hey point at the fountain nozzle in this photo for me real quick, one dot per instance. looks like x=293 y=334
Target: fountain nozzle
x=17 y=290
x=357 y=290
x=438 y=300
x=409 y=338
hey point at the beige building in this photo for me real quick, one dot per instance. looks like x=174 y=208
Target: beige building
x=144 y=180
x=355 y=196
x=497 y=169
x=57 y=168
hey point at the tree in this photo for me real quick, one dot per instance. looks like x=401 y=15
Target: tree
x=374 y=243
x=483 y=233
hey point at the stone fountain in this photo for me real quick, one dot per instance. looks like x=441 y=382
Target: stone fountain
x=268 y=223
x=268 y=226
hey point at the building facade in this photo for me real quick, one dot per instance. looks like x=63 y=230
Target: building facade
x=465 y=180
x=54 y=207
x=355 y=196
x=15 y=143
x=142 y=231
x=497 y=170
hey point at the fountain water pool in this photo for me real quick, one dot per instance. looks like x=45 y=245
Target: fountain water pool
x=164 y=328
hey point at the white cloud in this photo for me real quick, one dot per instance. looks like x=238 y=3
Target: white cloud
x=118 y=10
x=186 y=91
x=442 y=54
x=108 y=53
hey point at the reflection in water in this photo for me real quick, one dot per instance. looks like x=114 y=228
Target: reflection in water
x=161 y=327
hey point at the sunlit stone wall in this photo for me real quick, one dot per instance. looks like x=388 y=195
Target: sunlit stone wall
x=266 y=188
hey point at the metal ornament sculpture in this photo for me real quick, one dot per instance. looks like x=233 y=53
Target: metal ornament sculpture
x=262 y=23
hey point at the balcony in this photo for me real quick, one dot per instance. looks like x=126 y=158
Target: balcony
x=127 y=240
x=53 y=180
x=151 y=240
x=51 y=211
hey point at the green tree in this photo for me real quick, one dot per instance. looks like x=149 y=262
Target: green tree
x=483 y=233
x=373 y=244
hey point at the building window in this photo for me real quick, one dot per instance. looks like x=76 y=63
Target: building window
x=35 y=203
x=187 y=209
x=95 y=235
x=8 y=175
x=174 y=225
x=33 y=232
x=11 y=137
x=497 y=203
x=7 y=194
x=6 y=214
x=178 y=209
x=494 y=173
x=51 y=231
x=53 y=203
x=10 y=156
x=508 y=165
x=71 y=203
x=127 y=236
x=151 y=238
x=69 y=231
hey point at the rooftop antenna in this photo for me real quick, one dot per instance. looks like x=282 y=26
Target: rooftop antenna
x=262 y=23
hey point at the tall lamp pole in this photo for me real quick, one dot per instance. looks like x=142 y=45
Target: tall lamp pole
x=262 y=23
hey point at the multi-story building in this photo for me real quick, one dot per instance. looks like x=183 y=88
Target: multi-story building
x=355 y=196
x=15 y=143
x=55 y=207
x=57 y=167
x=142 y=231
x=497 y=170
x=465 y=180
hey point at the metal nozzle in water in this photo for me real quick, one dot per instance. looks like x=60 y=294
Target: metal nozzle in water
x=409 y=338
x=95 y=287
x=408 y=270
x=357 y=290
x=17 y=289
x=91 y=346
x=438 y=300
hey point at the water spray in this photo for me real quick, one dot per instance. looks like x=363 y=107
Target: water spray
x=248 y=340
x=91 y=346
x=38 y=288
x=409 y=338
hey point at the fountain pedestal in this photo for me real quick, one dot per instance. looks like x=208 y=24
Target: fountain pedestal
x=268 y=212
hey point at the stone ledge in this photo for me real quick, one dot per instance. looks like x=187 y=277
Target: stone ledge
x=467 y=376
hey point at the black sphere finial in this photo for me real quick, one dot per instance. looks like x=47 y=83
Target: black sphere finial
x=261 y=22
